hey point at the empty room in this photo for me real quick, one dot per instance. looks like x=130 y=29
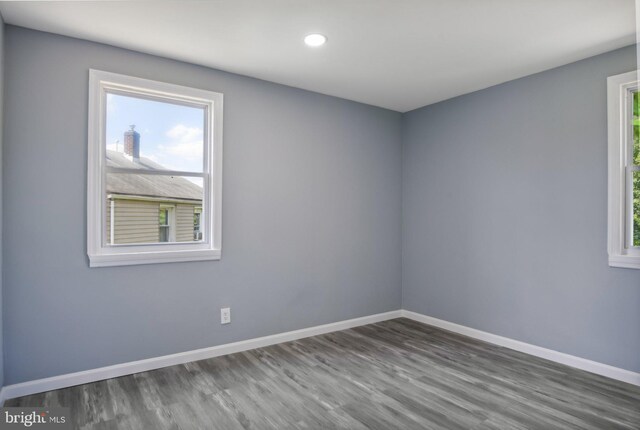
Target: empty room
x=320 y=214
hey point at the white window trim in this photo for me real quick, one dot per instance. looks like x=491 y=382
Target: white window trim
x=102 y=254
x=619 y=90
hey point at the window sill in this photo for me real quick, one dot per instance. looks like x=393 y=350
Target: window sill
x=135 y=258
x=625 y=261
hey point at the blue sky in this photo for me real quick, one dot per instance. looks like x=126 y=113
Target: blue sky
x=169 y=134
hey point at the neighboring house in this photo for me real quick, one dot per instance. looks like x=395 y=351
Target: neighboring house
x=149 y=208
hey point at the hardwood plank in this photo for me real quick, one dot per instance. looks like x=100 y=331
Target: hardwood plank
x=395 y=374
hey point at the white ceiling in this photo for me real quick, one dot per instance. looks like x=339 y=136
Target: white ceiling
x=398 y=54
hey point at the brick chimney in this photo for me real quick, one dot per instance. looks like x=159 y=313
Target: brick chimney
x=132 y=143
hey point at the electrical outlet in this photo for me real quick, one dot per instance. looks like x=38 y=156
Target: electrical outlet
x=225 y=315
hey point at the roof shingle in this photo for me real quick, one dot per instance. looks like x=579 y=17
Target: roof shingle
x=161 y=186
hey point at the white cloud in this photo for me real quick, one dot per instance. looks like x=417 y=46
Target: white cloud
x=183 y=133
x=187 y=142
x=181 y=151
x=184 y=149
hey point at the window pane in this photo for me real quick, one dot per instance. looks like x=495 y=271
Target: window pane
x=143 y=208
x=154 y=135
x=636 y=129
x=636 y=208
x=164 y=233
x=197 y=223
x=164 y=217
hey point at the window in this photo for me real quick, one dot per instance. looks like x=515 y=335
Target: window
x=154 y=172
x=635 y=168
x=197 y=231
x=624 y=171
x=166 y=223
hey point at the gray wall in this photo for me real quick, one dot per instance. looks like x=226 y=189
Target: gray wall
x=503 y=219
x=505 y=214
x=1 y=175
x=311 y=222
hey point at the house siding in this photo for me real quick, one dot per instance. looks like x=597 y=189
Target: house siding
x=184 y=223
x=108 y=218
x=137 y=221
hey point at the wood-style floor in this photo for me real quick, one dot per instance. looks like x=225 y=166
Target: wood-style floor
x=397 y=374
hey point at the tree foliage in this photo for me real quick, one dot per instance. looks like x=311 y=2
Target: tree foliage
x=636 y=175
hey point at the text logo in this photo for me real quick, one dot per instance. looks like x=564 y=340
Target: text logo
x=35 y=418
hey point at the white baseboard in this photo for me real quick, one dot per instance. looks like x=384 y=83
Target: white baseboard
x=93 y=375
x=538 y=351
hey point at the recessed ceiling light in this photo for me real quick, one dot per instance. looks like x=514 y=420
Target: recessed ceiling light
x=315 y=39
